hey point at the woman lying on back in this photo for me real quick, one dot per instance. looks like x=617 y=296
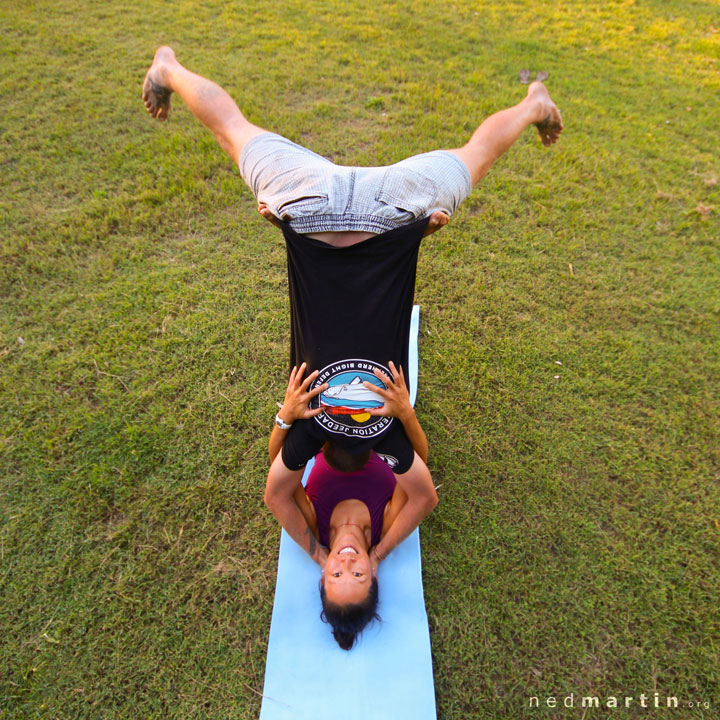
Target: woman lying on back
x=349 y=519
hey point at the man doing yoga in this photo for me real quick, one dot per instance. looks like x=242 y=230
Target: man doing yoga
x=295 y=186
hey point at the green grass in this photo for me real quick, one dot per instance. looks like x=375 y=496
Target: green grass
x=575 y=547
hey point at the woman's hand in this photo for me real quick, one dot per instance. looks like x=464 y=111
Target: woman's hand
x=395 y=395
x=297 y=398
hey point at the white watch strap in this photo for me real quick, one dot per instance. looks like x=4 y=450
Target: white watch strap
x=281 y=423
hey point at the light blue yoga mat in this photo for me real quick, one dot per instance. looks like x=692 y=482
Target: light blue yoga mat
x=388 y=674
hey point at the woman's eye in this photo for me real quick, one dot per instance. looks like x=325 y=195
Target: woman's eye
x=336 y=574
x=357 y=574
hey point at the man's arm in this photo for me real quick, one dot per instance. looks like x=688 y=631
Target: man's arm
x=294 y=407
x=277 y=438
x=397 y=404
x=421 y=499
x=280 y=499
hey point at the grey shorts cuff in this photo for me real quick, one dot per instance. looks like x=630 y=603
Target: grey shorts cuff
x=342 y=223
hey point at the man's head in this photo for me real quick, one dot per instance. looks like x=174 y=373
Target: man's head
x=344 y=460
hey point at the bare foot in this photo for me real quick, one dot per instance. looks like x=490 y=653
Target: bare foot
x=155 y=91
x=551 y=125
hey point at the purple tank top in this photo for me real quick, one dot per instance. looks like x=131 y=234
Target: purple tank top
x=326 y=487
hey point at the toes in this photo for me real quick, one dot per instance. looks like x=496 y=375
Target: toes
x=156 y=99
x=148 y=100
x=154 y=108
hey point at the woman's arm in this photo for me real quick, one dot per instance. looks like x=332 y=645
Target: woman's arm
x=294 y=407
x=421 y=499
x=280 y=499
x=397 y=404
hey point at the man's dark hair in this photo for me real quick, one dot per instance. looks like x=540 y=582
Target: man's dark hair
x=342 y=460
x=348 y=621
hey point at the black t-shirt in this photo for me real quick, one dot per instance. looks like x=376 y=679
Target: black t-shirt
x=350 y=313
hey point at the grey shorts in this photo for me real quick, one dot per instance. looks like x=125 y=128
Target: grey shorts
x=315 y=195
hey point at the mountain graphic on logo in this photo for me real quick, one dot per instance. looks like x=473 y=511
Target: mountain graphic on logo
x=353 y=395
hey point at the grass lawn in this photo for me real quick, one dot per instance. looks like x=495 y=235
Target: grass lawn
x=569 y=356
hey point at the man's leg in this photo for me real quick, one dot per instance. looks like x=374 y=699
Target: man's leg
x=501 y=130
x=208 y=102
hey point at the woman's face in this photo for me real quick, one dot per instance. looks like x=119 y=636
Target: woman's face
x=347 y=573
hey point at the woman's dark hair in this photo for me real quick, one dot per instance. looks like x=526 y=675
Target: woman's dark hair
x=343 y=460
x=349 y=620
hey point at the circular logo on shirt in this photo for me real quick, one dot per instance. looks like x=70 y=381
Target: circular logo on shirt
x=346 y=402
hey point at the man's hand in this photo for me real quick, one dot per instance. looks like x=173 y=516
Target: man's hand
x=321 y=555
x=374 y=560
x=297 y=398
x=396 y=396
x=437 y=220
x=265 y=211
